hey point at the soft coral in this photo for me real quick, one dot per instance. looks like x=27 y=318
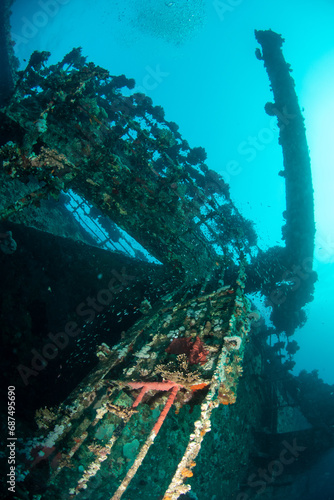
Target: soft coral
x=195 y=351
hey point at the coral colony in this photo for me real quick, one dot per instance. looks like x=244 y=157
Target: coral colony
x=71 y=127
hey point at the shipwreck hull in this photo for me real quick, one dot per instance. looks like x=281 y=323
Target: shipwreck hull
x=183 y=352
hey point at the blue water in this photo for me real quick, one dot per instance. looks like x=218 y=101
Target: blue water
x=196 y=59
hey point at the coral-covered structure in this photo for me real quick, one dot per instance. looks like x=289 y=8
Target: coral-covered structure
x=70 y=127
x=214 y=322
x=74 y=130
